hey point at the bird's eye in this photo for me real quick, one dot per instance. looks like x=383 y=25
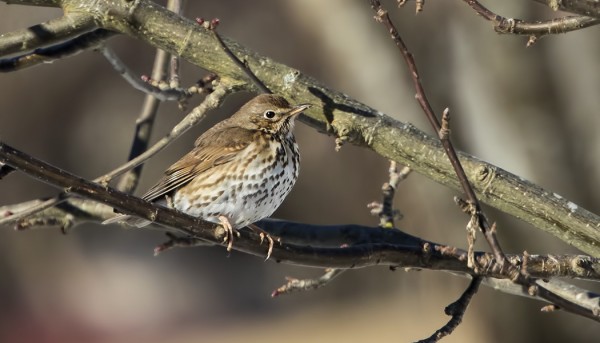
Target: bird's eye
x=269 y=114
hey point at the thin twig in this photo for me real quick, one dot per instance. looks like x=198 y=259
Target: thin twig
x=143 y=126
x=145 y=122
x=301 y=285
x=167 y=94
x=534 y=29
x=212 y=101
x=383 y=17
x=478 y=219
x=456 y=310
x=212 y=26
x=16 y=216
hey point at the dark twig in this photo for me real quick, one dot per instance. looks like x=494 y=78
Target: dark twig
x=297 y=285
x=212 y=26
x=534 y=29
x=145 y=122
x=475 y=208
x=141 y=84
x=456 y=310
x=143 y=126
x=86 y=41
x=478 y=219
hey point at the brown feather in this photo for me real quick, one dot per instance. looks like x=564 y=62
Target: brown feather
x=217 y=146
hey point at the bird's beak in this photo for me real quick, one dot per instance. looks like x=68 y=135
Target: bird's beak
x=298 y=109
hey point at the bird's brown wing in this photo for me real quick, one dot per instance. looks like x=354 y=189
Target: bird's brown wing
x=215 y=147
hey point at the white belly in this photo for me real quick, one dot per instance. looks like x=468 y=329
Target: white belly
x=246 y=194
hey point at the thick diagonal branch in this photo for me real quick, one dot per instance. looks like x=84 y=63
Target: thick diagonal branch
x=412 y=252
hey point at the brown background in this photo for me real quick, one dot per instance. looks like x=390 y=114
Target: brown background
x=532 y=111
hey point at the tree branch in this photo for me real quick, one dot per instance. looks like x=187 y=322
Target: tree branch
x=212 y=101
x=145 y=122
x=43 y=3
x=590 y=8
x=534 y=29
x=456 y=310
x=86 y=41
x=50 y=32
x=379 y=247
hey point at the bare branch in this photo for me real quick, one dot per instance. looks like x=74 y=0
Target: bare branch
x=442 y=130
x=43 y=3
x=297 y=285
x=472 y=206
x=145 y=121
x=456 y=310
x=143 y=126
x=534 y=29
x=86 y=41
x=136 y=82
x=50 y=32
x=583 y=7
x=212 y=101
x=358 y=255
x=212 y=26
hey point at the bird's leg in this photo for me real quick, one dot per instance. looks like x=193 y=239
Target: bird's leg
x=264 y=234
x=229 y=231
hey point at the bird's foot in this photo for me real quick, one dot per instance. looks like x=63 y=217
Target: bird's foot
x=228 y=232
x=264 y=234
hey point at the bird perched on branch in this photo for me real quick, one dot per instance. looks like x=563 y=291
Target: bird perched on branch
x=238 y=172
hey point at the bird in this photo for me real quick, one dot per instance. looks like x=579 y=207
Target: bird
x=238 y=172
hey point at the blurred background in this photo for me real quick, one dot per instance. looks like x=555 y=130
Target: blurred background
x=533 y=111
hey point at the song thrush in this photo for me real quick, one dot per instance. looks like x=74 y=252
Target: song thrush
x=239 y=171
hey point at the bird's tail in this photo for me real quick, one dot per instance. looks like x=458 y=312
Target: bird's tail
x=127 y=219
